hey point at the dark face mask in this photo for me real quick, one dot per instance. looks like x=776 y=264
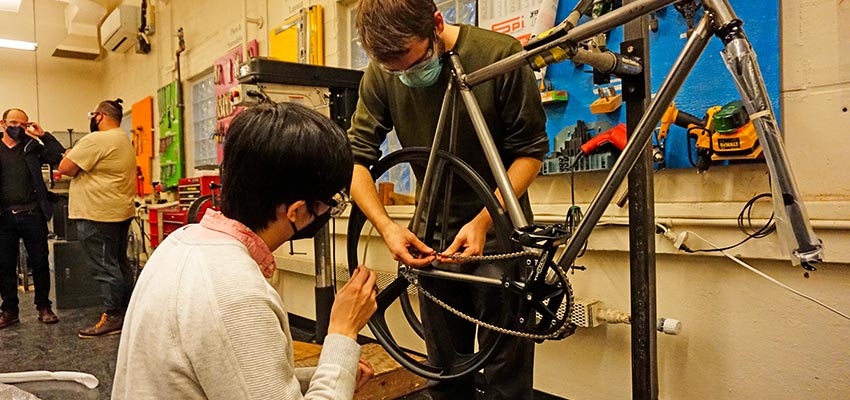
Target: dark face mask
x=15 y=132
x=93 y=124
x=311 y=229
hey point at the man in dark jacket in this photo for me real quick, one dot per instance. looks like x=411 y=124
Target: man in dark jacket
x=24 y=210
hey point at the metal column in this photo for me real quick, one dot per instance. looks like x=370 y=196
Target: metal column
x=324 y=282
x=636 y=93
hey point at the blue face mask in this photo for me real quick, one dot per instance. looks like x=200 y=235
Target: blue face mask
x=425 y=76
x=15 y=132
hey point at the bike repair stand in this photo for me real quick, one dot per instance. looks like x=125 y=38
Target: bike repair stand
x=636 y=94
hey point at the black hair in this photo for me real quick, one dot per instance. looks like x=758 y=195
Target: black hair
x=386 y=27
x=278 y=154
x=112 y=109
x=6 y=113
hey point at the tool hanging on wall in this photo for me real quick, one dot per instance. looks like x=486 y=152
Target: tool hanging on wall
x=723 y=134
x=688 y=9
x=579 y=149
x=609 y=101
x=615 y=136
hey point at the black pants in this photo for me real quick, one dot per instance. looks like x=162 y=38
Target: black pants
x=105 y=246
x=509 y=374
x=31 y=226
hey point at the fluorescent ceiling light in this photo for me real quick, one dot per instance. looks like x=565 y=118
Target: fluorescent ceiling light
x=17 y=44
x=10 y=5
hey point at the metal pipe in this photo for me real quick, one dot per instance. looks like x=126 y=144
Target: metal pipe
x=456 y=276
x=608 y=62
x=824 y=224
x=324 y=281
x=721 y=12
x=245 y=30
x=644 y=353
x=322 y=252
x=448 y=98
x=491 y=152
x=582 y=32
x=245 y=21
x=581 y=8
x=643 y=132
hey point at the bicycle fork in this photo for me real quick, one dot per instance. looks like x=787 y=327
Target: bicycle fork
x=794 y=229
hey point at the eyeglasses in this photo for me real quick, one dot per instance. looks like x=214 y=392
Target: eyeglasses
x=11 y=122
x=419 y=65
x=338 y=203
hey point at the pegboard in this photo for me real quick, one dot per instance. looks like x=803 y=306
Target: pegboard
x=225 y=71
x=142 y=133
x=170 y=135
x=709 y=84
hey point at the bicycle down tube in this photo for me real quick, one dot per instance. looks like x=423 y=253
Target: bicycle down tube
x=640 y=137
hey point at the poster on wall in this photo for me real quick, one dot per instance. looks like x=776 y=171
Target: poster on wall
x=518 y=18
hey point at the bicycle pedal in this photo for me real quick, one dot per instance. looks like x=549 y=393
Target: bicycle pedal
x=540 y=236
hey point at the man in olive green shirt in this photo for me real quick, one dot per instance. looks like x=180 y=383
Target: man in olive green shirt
x=103 y=165
x=401 y=89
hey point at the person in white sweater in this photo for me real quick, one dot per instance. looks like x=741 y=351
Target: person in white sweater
x=203 y=322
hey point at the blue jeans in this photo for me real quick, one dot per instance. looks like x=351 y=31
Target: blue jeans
x=105 y=246
x=31 y=226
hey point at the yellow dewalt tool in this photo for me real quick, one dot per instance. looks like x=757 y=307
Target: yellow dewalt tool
x=724 y=133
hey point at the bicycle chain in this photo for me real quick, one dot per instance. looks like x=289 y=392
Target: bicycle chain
x=411 y=277
x=492 y=257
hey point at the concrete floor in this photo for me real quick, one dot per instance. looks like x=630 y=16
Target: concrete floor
x=32 y=346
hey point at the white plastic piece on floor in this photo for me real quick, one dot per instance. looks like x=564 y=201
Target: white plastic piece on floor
x=88 y=380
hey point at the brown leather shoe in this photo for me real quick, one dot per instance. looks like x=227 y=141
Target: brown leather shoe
x=46 y=315
x=8 y=318
x=108 y=325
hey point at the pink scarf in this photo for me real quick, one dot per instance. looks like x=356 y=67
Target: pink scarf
x=258 y=249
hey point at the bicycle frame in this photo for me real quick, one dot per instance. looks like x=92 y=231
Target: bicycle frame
x=720 y=20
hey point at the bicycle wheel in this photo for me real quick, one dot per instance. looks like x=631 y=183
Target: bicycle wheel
x=198 y=208
x=362 y=238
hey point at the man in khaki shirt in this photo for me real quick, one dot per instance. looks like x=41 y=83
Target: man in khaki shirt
x=103 y=166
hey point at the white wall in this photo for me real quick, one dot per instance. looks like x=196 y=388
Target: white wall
x=743 y=337
x=56 y=92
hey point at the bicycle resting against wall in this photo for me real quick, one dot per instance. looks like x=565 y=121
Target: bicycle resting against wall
x=536 y=292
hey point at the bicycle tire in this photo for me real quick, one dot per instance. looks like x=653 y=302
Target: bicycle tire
x=397 y=289
x=192 y=215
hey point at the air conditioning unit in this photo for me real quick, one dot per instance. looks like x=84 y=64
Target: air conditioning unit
x=119 y=32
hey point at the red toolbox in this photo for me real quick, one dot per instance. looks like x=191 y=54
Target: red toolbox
x=189 y=189
x=163 y=221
